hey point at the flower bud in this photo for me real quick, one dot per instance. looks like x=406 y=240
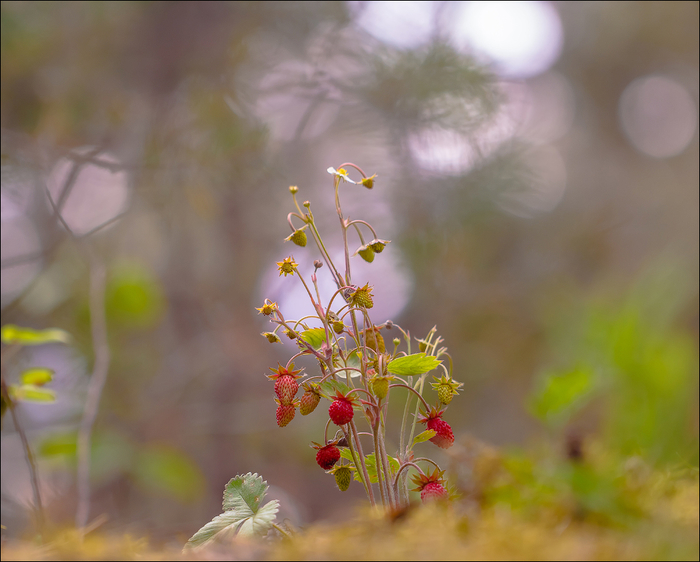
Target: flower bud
x=293 y=189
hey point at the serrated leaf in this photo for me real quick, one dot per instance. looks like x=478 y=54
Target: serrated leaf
x=415 y=364
x=37 y=376
x=31 y=393
x=242 y=512
x=11 y=334
x=244 y=492
x=424 y=436
x=314 y=337
x=234 y=522
x=329 y=388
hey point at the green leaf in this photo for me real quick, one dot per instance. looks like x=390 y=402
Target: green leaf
x=425 y=436
x=31 y=393
x=561 y=394
x=169 y=472
x=37 y=376
x=11 y=334
x=242 y=511
x=415 y=364
x=329 y=387
x=371 y=465
x=314 y=337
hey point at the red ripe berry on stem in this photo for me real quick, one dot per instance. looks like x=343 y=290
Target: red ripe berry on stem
x=327 y=455
x=430 y=486
x=286 y=385
x=340 y=411
x=443 y=437
x=285 y=413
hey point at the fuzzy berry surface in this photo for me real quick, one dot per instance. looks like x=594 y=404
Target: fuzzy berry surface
x=340 y=411
x=286 y=388
x=327 y=456
x=433 y=491
x=285 y=414
x=444 y=438
x=343 y=476
x=445 y=394
x=308 y=402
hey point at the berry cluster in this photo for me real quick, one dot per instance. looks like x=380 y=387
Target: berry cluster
x=358 y=373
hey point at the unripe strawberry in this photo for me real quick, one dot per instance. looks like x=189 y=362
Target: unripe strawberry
x=309 y=400
x=327 y=455
x=380 y=386
x=446 y=388
x=298 y=237
x=443 y=438
x=285 y=414
x=338 y=327
x=343 y=476
x=366 y=253
x=340 y=411
x=362 y=297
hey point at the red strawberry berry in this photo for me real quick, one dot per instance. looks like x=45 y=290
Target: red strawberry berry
x=286 y=388
x=340 y=411
x=286 y=385
x=430 y=486
x=310 y=399
x=285 y=413
x=327 y=456
x=433 y=491
x=443 y=437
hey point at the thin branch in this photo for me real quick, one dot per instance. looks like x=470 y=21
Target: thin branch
x=98 y=324
x=28 y=455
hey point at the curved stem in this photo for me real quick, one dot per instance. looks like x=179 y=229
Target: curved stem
x=412 y=390
x=353 y=222
x=403 y=466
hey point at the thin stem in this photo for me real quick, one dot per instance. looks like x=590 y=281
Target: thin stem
x=355 y=221
x=100 y=344
x=412 y=390
x=360 y=466
x=365 y=475
x=380 y=479
x=29 y=457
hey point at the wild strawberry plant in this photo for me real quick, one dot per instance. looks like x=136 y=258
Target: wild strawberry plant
x=357 y=374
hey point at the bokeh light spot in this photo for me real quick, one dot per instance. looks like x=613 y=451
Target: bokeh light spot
x=521 y=39
x=658 y=116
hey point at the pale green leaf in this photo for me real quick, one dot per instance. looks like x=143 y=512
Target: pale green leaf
x=425 y=436
x=32 y=393
x=415 y=364
x=559 y=395
x=11 y=334
x=314 y=337
x=37 y=376
x=242 y=512
x=244 y=492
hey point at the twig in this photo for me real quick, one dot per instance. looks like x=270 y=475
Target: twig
x=98 y=324
x=29 y=456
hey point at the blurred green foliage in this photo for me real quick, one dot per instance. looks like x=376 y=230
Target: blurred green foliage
x=585 y=315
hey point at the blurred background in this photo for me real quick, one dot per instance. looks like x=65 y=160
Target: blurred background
x=537 y=174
